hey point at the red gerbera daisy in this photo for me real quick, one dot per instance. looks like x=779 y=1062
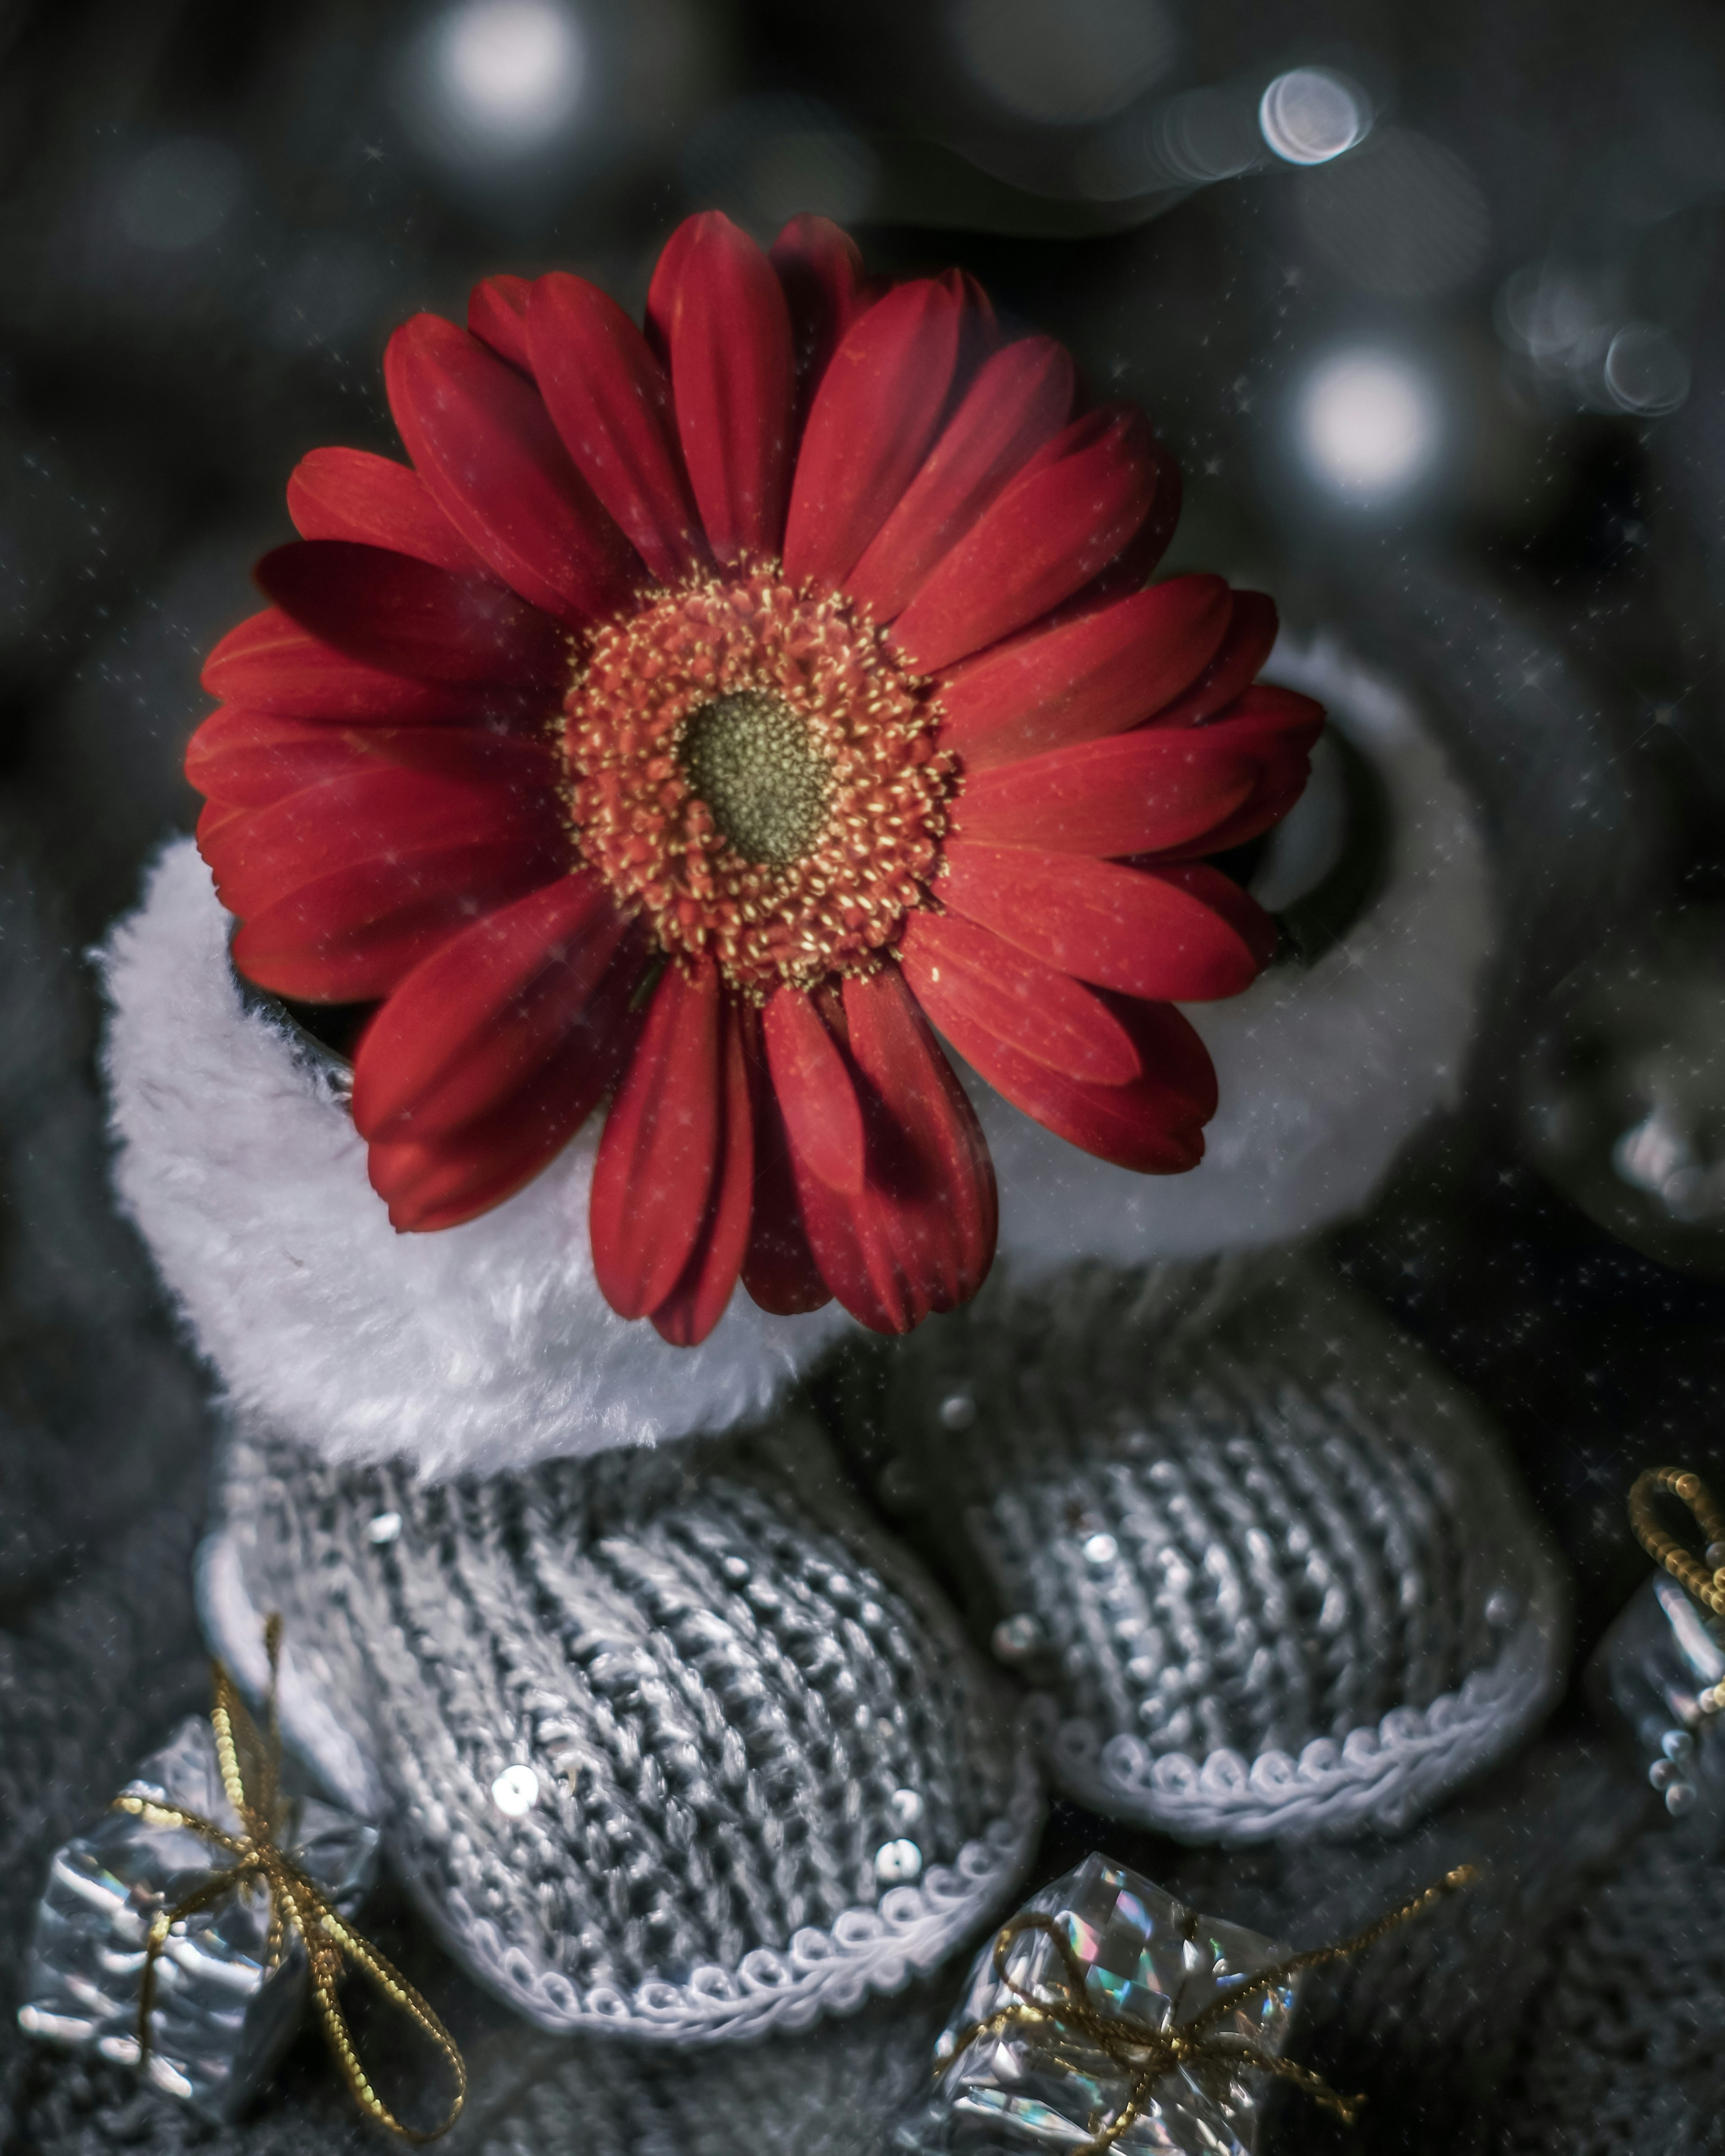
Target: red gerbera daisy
x=705 y=717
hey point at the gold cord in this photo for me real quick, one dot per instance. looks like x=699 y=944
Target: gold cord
x=1146 y=2054
x=1705 y=1582
x=251 y=1777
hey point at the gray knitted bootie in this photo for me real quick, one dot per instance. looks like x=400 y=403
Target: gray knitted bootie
x=669 y=1742
x=1263 y=1566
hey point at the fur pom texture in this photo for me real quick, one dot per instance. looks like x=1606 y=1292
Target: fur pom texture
x=481 y=1347
x=1325 y=1071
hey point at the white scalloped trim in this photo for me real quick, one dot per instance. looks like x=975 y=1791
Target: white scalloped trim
x=910 y=1931
x=1381 y=1778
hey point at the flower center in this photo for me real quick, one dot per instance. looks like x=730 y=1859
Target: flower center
x=754 y=771
x=752 y=759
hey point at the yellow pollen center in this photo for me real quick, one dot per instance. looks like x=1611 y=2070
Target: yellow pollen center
x=758 y=777
x=752 y=760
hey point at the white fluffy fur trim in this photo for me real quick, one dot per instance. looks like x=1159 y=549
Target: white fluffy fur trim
x=490 y=1346
x=485 y=1347
x=1325 y=1073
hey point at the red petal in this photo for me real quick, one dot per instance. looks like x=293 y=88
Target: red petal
x=481 y=439
x=438 y=1183
x=1133 y=793
x=873 y=422
x=355 y=935
x=405 y=617
x=1265 y=713
x=350 y=494
x=920 y=1236
x=1018 y=401
x=1088 y=678
x=822 y=1119
x=654 y=1171
x=821 y=269
x=946 y=1212
x=497 y=315
x=965 y=978
x=1153 y=1124
x=429 y=1186
x=1135 y=564
x=269 y=664
x=697 y=1303
x=718 y=315
x=1175 y=935
x=611 y=403
x=1068 y=513
x=779 y=1271
x=1279 y=785
x=258 y=855
x=248 y=758
x=1251 y=632
x=470 y=1026
x=1274 y=730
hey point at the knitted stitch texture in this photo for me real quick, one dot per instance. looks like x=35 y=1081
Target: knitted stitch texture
x=1623 y=2058
x=757 y=1770
x=1265 y=1565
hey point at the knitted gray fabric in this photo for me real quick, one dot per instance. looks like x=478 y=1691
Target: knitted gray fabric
x=828 y=2091
x=1436 y=2026
x=1265 y=1565
x=1624 y=2055
x=672 y=1743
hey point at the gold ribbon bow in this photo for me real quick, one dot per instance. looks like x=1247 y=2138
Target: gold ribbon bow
x=251 y=1777
x=1146 y=2055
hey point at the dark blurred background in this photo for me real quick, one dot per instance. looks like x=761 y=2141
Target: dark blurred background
x=1429 y=301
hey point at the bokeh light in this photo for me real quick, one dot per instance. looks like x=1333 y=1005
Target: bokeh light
x=492 y=81
x=1645 y=371
x=1310 y=114
x=1368 y=425
x=766 y=159
x=1566 y=321
x=1064 y=63
x=1205 y=135
x=180 y=194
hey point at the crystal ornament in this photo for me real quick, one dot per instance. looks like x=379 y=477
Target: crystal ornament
x=223 y=2015
x=1653 y=1668
x=1662 y=1664
x=1146 y=1961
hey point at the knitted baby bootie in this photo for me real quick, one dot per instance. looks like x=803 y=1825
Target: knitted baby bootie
x=667 y=1738
x=1261 y=1563
x=669 y=1742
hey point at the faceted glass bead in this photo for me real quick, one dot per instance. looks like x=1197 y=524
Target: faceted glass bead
x=222 y=2016
x=1041 y=2081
